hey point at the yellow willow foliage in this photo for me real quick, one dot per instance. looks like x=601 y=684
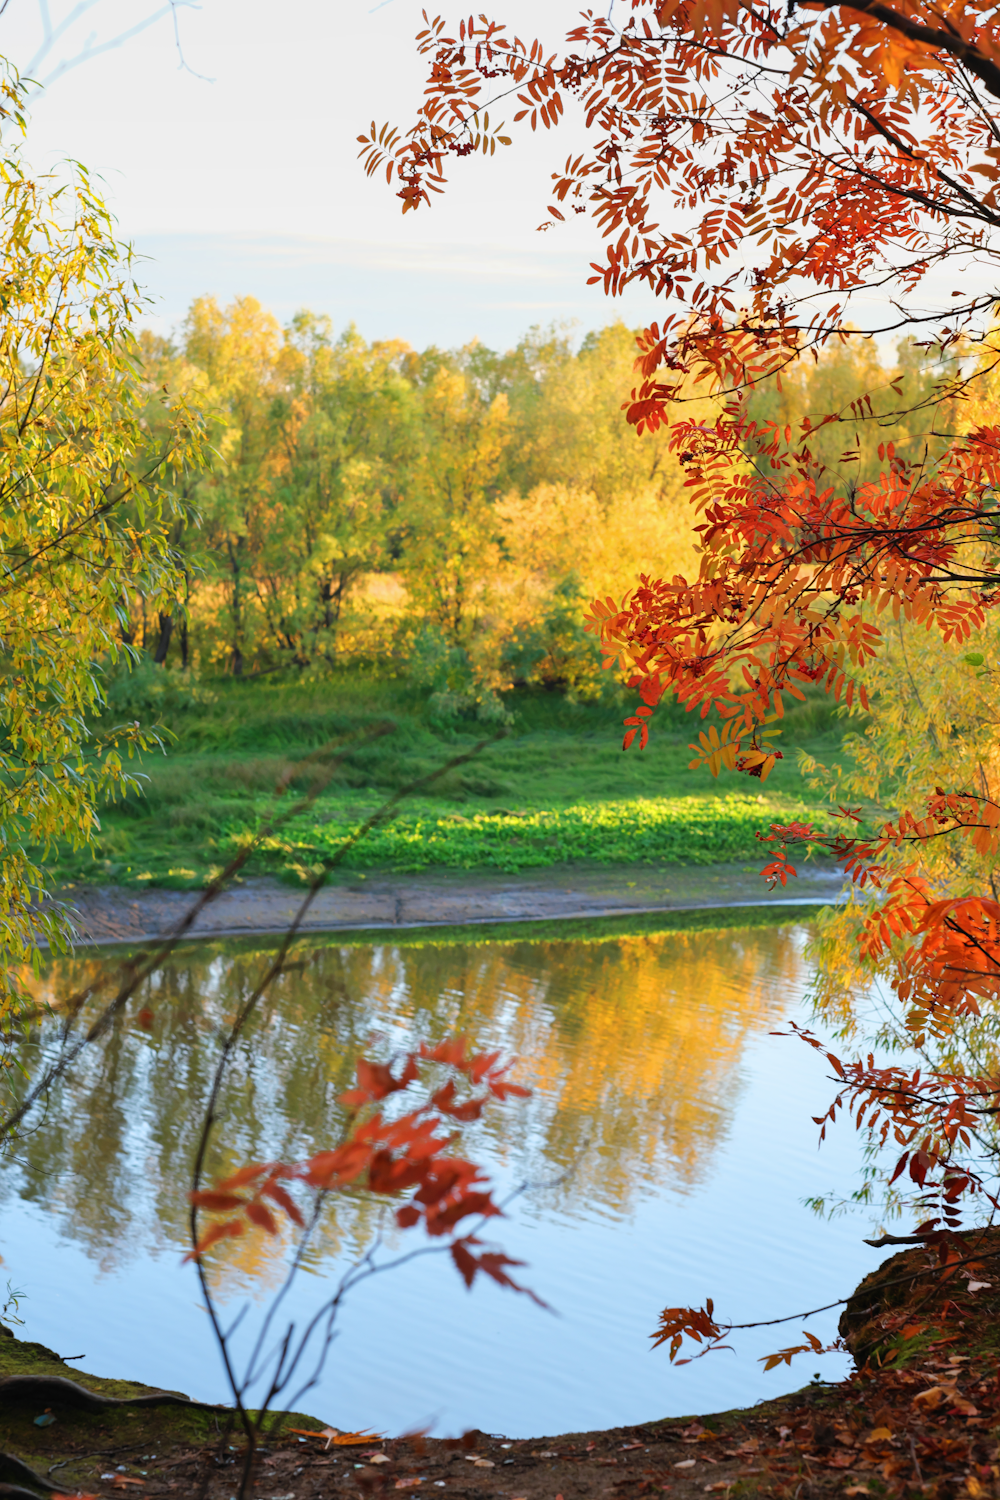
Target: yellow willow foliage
x=453 y=550
x=608 y=545
x=935 y=721
x=85 y=505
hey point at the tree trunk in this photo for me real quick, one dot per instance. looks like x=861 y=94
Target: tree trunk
x=163 y=640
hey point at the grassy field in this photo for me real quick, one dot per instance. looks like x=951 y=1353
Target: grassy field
x=558 y=788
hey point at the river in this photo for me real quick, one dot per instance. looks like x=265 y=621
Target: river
x=667 y=1145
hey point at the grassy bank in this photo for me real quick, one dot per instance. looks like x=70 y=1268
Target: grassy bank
x=557 y=789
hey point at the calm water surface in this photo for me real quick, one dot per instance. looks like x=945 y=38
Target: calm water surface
x=682 y=1128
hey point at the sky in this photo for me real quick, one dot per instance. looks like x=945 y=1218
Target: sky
x=245 y=179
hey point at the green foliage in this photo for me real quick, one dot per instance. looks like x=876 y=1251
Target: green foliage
x=561 y=766
x=557 y=653
x=678 y=830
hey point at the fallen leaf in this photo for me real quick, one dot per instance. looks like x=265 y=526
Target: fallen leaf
x=945 y=1391
x=339 y=1439
x=406 y=1484
x=880 y=1435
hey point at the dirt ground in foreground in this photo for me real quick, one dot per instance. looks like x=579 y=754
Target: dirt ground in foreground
x=920 y=1418
x=112 y=914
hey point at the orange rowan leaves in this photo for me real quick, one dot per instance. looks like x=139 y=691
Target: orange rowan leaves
x=813 y=1345
x=388 y=1157
x=696 y=1323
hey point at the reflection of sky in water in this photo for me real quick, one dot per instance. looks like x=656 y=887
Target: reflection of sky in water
x=682 y=1126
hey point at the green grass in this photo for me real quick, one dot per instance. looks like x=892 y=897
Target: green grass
x=634 y=830
x=558 y=789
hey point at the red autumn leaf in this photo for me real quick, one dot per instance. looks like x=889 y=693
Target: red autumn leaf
x=451 y=1051
x=491 y=1263
x=440 y=1220
x=472 y=1109
x=478 y=1066
x=215 y=1201
x=262 y=1216
x=284 y=1199
x=231 y=1230
x=377 y=1080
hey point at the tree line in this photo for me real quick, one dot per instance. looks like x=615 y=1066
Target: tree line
x=444 y=513
x=363 y=500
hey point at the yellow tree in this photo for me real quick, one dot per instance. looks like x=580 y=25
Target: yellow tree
x=342 y=483
x=247 y=372
x=85 y=508
x=452 y=548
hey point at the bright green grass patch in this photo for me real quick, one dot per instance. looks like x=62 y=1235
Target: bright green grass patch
x=557 y=789
x=671 y=830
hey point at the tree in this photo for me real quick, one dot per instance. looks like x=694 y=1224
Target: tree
x=453 y=542
x=346 y=473
x=85 y=510
x=772 y=175
x=843 y=149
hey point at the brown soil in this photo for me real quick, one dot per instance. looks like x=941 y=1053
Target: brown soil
x=110 y=914
x=919 y=1418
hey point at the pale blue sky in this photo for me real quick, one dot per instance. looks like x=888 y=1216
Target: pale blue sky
x=250 y=183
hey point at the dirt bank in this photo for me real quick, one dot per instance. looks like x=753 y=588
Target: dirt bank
x=109 y=914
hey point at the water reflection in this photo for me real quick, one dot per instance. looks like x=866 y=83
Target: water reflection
x=632 y=1046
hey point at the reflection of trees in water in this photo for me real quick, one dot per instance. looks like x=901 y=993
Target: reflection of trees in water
x=632 y=1045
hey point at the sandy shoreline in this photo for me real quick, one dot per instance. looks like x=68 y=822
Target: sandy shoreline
x=111 y=914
